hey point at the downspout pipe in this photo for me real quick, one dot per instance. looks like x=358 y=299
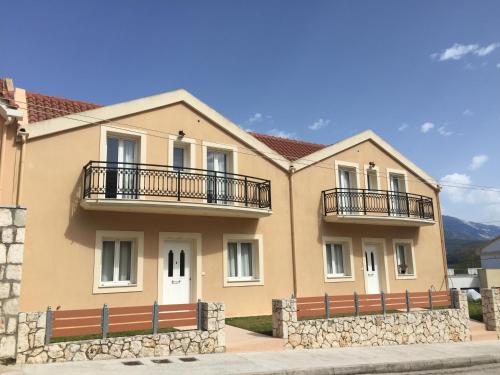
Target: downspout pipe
x=443 y=243
x=291 y=171
x=23 y=137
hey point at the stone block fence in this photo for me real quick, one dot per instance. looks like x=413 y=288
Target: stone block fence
x=12 y=229
x=209 y=339
x=490 y=299
x=414 y=327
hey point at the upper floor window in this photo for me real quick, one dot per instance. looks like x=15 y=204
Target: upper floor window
x=121 y=173
x=372 y=179
x=180 y=154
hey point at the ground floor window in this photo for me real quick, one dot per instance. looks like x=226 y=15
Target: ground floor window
x=118 y=261
x=404 y=258
x=243 y=259
x=337 y=258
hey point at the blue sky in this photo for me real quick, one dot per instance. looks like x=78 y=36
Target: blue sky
x=314 y=70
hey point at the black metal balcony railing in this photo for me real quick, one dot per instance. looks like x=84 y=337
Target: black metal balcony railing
x=131 y=181
x=377 y=203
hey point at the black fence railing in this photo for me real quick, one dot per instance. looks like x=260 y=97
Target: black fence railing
x=377 y=203
x=131 y=181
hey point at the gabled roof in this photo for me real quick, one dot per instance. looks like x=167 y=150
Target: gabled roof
x=44 y=107
x=47 y=111
x=291 y=149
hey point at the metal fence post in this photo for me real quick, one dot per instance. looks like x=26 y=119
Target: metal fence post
x=178 y=184
x=48 y=326
x=327 y=306
x=356 y=304
x=430 y=299
x=155 y=318
x=105 y=321
x=199 y=315
x=407 y=301
x=382 y=302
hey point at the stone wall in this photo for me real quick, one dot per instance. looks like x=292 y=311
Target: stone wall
x=210 y=339
x=424 y=326
x=490 y=299
x=12 y=222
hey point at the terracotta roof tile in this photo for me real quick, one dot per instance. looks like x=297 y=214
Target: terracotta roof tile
x=7 y=95
x=44 y=107
x=291 y=149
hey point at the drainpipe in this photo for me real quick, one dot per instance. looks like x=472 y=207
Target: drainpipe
x=291 y=171
x=443 y=244
x=8 y=122
x=23 y=134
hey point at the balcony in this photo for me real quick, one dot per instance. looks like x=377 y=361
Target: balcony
x=380 y=207
x=150 y=188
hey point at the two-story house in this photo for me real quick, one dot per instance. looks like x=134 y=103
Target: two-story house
x=162 y=198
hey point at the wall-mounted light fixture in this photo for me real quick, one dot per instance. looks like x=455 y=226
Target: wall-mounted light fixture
x=371 y=164
x=181 y=133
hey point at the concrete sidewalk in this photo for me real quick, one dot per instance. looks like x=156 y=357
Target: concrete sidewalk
x=365 y=360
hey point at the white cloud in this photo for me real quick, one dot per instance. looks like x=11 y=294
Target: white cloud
x=477 y=162
x=281 y=133
x=426 y=127
x=498 y=65
x=445 y=133
x=403 y=127
x=321 y=123
x=468 y=113
x=453 y=186
x=257 y=117
x=486 y=50
x=459 y=51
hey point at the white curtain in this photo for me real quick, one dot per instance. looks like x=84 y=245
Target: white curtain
x=246 y=259
x=107 y=260
x=125 y=267
x=329 y=259
x=217 y=162
x=233 y=259
x=339 y=258
x=129 y=174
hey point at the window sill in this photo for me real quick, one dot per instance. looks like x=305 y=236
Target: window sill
x=228 y=282
x=406 y=277
x=337 y=279
x=116 y=288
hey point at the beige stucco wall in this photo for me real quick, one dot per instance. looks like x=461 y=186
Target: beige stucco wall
x=60 y=238
x=310 y=229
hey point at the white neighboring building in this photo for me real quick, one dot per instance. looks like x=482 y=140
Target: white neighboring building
x=490 y=255
x=469 y=280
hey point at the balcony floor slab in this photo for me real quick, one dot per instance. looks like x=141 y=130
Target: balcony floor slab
x=378 y=220
x=173 y=208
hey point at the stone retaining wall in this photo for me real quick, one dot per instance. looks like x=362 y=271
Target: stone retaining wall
x=31 y=335
x=12 y=222
x=436 y=326
x=490 y=299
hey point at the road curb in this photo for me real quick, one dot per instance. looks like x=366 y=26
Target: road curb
x=391 y=367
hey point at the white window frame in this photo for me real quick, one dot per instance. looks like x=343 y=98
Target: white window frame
x=346 y=165
x=189 y=145
x=136 y=284
x=347 y=258
x=401 y=172
x=409 y=242
x=257 y=260
x=141 y=147
x=231 y=151
x=377 y=173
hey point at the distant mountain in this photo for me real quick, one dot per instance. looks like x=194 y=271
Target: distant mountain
x=464 y=240
x=457 y=229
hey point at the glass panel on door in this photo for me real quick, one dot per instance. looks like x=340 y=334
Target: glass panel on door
x=217 y=179
x=346 y=198
x=398 y=195
x=121 y=172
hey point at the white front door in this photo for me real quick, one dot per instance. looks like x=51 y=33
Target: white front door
x=371 y=269
x=176 y=272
